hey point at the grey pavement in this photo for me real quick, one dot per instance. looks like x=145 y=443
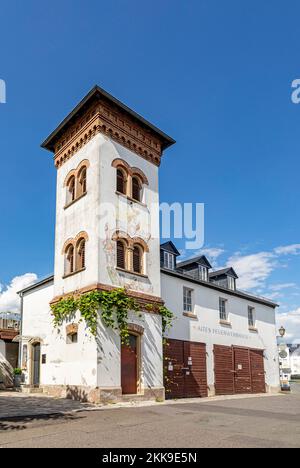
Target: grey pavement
x=272 y=421
x=16 y=405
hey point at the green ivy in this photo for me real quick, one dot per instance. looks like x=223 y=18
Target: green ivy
x=114 y=307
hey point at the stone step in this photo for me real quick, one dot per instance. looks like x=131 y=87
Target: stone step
x=29 y=389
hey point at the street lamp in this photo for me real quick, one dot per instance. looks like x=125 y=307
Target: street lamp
x=282 y=331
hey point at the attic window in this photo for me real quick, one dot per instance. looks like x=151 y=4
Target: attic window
x=169 y=261
x=203 y=273
x=231 y=283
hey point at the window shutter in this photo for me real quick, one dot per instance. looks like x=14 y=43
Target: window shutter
x=69 y=260
x=137 y=264
x=81 y=255
x=121 y=182
x=136 y=190
x=121 y=255
x=83 y=180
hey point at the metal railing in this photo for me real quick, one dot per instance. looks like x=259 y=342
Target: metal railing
x=8 y=324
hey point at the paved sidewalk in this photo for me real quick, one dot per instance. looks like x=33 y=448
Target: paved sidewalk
x=20 y=405
x=14 y=405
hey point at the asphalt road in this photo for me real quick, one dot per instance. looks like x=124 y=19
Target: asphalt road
x=249 y=422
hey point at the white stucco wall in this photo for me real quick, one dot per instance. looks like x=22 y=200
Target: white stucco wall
x=91 y=363
x=206 y=327
x=151 y=363
x=66 y=364
x=90 y=214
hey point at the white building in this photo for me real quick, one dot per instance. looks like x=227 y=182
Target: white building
x=107 y=160
x=234 y=332
x=295 y=360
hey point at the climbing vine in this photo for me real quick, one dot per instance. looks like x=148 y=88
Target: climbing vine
x=114 y=307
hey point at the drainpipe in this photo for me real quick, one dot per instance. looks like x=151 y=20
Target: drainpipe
x=21 y=332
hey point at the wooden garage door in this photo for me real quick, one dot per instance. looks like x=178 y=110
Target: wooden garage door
x=238 y=370
x=242 y=370
x=182 y=380
x=258 y=371
x=224 y=374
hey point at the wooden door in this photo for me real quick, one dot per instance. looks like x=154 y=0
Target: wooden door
x=181 y=379
x=195 y=379
x=129 y=366
x=224 y=370
x=242 y=368
x=257 y=371
x=36 y=364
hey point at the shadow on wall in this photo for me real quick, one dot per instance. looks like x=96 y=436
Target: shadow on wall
x=6 y=375
x=76 y=394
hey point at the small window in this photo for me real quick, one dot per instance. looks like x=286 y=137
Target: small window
x=169 y=261
x=72 y=338
x=82 y=181
x=121 y=181
x=187 y=300
x=121 y=255
x=137 y=259
x=81 y=255
x=69 y=264
x=251 y=317
x=136 y=189
x=71 y=194
x=203 y=273
x=231 y=283
x=222 y=309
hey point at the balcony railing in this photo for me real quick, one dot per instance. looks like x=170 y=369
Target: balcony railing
x=9 y=324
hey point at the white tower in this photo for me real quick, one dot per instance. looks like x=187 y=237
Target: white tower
x=107 y=230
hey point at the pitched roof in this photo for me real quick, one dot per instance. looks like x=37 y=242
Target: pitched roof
x=170 y=247
x=201 y=260
x=95 y=94
x=225 y=271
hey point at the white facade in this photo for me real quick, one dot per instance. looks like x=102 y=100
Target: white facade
x=207 y=328
x=93 y=363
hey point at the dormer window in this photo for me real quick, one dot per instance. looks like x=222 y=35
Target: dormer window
x=169 y=261
x=203 y=273
x=231 y=283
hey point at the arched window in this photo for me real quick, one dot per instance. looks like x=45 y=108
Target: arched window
x=80 y=263
x=69 y=260
x=121 y=181
x=121 y=255
x=136 y=188
x=71 y=193
x=82 y=181
x=137 y=261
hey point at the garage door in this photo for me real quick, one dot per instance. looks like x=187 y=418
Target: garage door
x=185 y=369
x=238 y=370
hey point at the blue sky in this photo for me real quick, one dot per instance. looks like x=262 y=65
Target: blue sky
x=215 y=75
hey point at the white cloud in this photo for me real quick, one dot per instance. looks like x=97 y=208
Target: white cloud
x=9 y=299
x=293 y=249
x=253 y=270
x=291 y=322
x=212 y=253
x=280 y=287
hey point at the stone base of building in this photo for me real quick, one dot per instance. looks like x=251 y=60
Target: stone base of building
x=102 y=395
x=273 y=390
